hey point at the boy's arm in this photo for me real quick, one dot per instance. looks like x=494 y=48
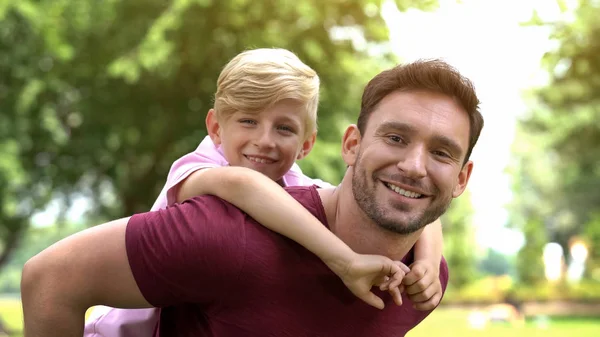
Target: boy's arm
x=422 y=283
x=270 y=205
x=430 y=244
x=63 y=281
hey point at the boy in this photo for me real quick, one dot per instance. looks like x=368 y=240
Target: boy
x=264 y=119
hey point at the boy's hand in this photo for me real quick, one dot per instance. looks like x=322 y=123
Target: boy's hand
x=422 y=285
x=363 y=272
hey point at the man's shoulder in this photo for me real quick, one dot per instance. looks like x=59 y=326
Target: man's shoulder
x=206 y=206
x=308 y=196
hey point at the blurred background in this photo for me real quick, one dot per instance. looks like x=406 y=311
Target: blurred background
x=98 y=98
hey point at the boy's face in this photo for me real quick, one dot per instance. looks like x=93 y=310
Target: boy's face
x=268 y=142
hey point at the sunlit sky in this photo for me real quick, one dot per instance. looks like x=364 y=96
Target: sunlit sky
x=486 y=42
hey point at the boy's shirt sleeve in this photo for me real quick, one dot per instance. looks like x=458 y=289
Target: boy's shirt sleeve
x=206 y=155
x=295 y=177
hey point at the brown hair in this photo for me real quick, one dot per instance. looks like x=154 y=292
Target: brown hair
x=434 y=75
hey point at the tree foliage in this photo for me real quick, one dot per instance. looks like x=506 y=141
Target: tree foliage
x=557 y=152
x=459 y=241
x=98 y=98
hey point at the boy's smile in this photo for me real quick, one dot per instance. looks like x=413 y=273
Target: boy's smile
x=269 y=141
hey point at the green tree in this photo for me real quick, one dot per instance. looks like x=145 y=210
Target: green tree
x=99 y=97
x=495 y=263
x=529 y=263
x=592 y=236
x=560 y=138
x=459 y=241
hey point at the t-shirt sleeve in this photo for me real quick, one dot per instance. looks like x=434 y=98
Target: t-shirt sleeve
x=444 y=274
x=295 y=177
x=206 y=155
x=187 y=252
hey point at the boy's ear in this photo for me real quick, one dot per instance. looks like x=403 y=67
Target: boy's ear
x=307 y=146
x=213 y=127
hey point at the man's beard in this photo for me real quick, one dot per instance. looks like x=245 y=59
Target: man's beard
x=365 y=197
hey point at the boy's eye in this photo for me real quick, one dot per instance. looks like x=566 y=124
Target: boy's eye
x=286 y=128
x=247 y=121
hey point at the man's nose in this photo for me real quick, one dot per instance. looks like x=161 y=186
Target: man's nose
x=414 y=162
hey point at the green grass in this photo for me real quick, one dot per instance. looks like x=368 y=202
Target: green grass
x=442 y=322
x=454 y=322
x=11 y=313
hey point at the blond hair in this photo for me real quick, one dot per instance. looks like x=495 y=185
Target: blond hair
x=257 y=79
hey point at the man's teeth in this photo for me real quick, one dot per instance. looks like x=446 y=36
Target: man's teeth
x=403 y=192
x=259 y=160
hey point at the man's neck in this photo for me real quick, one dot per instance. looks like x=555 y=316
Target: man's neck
x=351 y=224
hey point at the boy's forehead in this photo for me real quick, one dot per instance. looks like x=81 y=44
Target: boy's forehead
x=290 y=113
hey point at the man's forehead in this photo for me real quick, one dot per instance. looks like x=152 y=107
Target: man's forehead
x=429 y=113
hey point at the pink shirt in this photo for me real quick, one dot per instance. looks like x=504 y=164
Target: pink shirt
x=111 y=322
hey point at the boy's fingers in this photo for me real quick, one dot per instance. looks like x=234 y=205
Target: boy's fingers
x=373 y=300
x=429 y=304
x=396 y=280
x=420 y=297
x=419 y=286
x=403 y=267
x=415 y=274
x=383 y=286
x=396 y=295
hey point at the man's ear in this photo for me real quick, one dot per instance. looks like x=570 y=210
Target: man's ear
x=212 y=127
x=463 y=179
x=351 y=145
x=307 y=146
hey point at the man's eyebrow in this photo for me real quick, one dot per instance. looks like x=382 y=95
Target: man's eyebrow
x=450 y=144
x=396 y=126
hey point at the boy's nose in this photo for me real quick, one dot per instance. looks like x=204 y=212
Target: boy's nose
x=266 y=140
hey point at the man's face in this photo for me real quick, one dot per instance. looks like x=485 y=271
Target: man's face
x=408 y=165
x=268 y=142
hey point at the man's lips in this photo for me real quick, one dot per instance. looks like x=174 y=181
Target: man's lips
x=405 y=190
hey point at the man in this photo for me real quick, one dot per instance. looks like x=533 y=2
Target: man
x=215 y=272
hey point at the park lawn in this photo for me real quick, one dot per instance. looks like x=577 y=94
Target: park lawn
x=442 y=322
x=453 y=322
x=11 y=314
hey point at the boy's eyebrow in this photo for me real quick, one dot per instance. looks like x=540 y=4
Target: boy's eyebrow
x=290 y=120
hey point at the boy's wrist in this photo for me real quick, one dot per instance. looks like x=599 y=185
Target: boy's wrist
x=340 y=263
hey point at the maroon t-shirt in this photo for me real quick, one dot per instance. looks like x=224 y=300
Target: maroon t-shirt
x=215 y=271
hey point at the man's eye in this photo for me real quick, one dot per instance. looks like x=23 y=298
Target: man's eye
x=441 y=154
x=396 y=139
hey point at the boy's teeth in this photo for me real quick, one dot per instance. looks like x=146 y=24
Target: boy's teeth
x=258 y=160
x=403 y=192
